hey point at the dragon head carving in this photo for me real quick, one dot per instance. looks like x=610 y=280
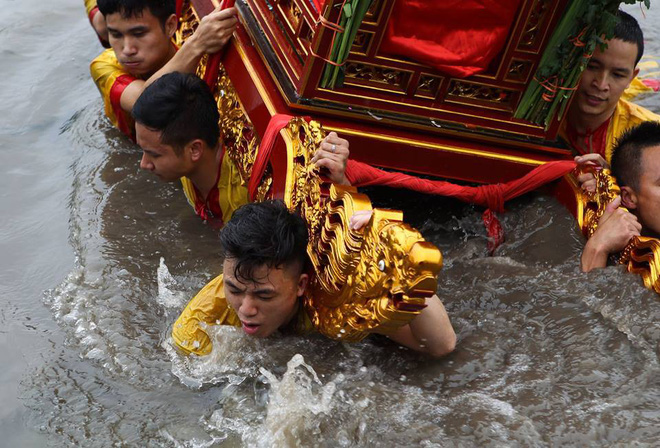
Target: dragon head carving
x=371 y=280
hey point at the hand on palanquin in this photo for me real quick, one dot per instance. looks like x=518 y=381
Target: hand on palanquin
x=615 y=230
x=586 y=180
x=332 y=157
x=215 y=30
x=360 y=219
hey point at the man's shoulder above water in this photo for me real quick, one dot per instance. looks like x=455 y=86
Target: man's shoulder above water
x=210 y=307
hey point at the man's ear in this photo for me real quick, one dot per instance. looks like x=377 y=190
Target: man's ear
x=628 y=198
x=171 y=25
x=303 y=280
x=195 y=149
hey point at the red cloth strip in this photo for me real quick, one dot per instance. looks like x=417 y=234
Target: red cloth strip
x=116 y=91
x=215 y=59
x=275 y=125
x=491 y=196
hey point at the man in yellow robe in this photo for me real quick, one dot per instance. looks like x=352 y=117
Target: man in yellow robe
x=264 y=279
x=177 y=129
x=598 y=115
x=140 y=33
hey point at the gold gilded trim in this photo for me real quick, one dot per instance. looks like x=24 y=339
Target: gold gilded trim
x=642 y=254
x=370 y=280
x=452 y=149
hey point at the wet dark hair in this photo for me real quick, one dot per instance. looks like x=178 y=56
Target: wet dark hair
x=627 y=156
x=161 y=9
x=264 y=233
x=182 y=107
x=627 y=29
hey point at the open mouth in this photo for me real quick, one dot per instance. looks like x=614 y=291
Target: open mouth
x=250 y=328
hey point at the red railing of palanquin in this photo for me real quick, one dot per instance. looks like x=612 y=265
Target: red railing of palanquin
x=397 y=113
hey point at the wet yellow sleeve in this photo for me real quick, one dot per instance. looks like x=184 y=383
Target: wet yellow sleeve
x=636 y=87
x=208 y=307
x=89 y=5
x=626 y=115
x=232 y=191
x=189 y=191
x=105 y=70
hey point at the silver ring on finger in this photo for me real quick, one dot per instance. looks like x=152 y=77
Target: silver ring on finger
x=333 y=148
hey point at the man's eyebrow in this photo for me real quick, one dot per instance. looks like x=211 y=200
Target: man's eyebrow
x=138 y=28
x=265 y=290
x=232 y=284
x=625 y=70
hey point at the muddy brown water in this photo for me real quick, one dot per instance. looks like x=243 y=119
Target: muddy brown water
x=546 y=356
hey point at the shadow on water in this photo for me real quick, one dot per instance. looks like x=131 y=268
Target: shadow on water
x=546 y=356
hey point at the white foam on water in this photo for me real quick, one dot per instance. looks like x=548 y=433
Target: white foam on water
x=233 y=358
x=168 y=296
x=296 y=407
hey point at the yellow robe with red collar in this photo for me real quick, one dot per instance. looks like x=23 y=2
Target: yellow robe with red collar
x=210 y=307
x=111 y=79
x=626 y=115
x=90 y=5
x=231 y=191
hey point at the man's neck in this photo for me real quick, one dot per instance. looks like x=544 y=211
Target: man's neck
x=583 y=124
x=205 y=175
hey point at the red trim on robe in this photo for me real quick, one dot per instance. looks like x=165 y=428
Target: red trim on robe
x=92 y=13
x=210 y=210
x=116 y=91
x=591 y=142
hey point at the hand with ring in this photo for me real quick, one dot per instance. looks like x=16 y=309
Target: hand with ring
x=331 y=158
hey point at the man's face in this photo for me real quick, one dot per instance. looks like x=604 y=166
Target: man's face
x=607 y=75
x=267 y=302
x=648 y=192
x=140 y=43
x=159 y=158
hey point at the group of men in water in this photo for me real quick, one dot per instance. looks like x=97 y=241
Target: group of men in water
x=151 y=94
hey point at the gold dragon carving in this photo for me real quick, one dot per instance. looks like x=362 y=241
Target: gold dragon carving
x=371 y=280
x=642 y=255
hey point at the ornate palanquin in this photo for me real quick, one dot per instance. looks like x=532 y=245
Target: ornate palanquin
x=396 y=113
x=642 y=255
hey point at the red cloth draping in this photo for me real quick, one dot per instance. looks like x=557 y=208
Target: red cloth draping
x=215 y=59
x=275 y=125
x=491 y=196
x=457 y=37
x=360 y=174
